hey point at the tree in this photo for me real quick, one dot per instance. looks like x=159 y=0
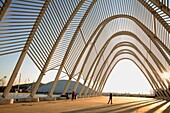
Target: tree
x=3 y=81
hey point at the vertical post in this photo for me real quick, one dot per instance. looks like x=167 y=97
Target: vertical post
x=100 y=74
x=104 y=77
x=53 y=50
x=24 y=51
x=96 y=83
x=88 y=54
x=97 y=78
x=156 y=35
x=57 y=42
x=67 y=85
x=102 y=81
x=69 y=48
x=101 y=86
x=77 y=82
x=92 y=92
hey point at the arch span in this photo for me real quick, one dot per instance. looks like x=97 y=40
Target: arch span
x=64 y=30
x=151 y=35
x=158 y=87
x=161 y=83
x=133 y=36
x=108 y=72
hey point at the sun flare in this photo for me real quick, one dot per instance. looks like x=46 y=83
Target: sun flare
x=166 y=75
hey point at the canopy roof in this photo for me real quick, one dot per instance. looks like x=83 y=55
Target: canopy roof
x=86 y=38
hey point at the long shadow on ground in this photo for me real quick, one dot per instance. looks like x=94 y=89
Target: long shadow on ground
x=124 y=107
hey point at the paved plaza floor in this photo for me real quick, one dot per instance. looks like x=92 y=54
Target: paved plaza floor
x=91 y=105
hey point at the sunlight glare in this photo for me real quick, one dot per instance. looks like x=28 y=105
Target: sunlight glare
x=166 y=75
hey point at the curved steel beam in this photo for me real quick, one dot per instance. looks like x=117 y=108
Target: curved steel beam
x=117 y=46
x=158 y=89
x=87 y=56
x=156 y=13
x=106 y=71
x=103 y=78
x=25 y=49
x=143 y=27
x=134 y=55
x=161 y=6
x=133 y=36
x=68 y=50
x=134 y=47
x=4 y=8
x=109 y=72
x=54 y=48
x=150 y=34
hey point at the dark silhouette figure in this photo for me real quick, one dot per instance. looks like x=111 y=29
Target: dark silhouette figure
x=67 y=96
x=73 y=95
x=110 y=98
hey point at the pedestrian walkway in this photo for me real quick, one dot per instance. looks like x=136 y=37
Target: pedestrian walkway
x=91 y=105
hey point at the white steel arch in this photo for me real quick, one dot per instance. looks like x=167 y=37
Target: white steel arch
x=59 y=33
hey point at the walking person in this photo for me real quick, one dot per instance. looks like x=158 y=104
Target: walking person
x=110 y=98
x=73 y=95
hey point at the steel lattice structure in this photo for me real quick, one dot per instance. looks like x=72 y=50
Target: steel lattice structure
x=88 y=38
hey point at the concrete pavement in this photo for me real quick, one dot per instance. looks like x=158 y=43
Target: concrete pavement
x=91 y=105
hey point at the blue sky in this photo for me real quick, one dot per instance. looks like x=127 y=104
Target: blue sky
x=130 y=80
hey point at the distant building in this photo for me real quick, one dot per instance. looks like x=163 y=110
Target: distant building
x=59 y=87
x=22 y=87
x=45 y=88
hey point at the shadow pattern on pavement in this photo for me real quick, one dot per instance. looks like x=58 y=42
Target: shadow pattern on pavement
x=128 y=107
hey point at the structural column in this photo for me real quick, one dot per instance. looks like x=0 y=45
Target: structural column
x=87 y=56
x=53 y=50
x=24 y=51
x=72 y=41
